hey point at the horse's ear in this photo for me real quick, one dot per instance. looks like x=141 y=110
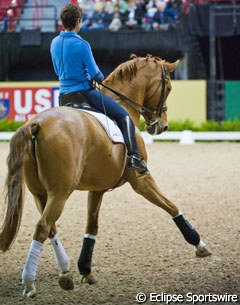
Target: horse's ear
x=133 y=56
x=172 y=66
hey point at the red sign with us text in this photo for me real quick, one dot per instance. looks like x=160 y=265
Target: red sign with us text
x=20 y=104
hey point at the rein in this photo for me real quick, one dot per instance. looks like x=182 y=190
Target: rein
x=157 y=111
x=140 y=109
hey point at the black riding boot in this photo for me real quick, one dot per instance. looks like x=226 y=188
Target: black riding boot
x=134 y=160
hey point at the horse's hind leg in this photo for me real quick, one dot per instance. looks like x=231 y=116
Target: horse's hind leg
x=62 y=260
x=147 y=187
x=51 y=213
x=85 y=258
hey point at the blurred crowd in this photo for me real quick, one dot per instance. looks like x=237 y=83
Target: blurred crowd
x=113 y=15
x=131 y=14
x=10 y=11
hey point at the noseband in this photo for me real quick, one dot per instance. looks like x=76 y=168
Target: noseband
x=157 y=110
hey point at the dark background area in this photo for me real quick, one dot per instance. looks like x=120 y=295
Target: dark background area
x=227 y=56
x=26 y=56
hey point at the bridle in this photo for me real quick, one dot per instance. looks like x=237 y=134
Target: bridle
x=159 y=108
x=156 y=111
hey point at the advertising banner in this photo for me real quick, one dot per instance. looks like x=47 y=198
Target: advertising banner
x=21 y=103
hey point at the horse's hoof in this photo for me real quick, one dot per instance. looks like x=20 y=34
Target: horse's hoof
x=66 y=281
x=30 y=291
x=202 y=250
x=88 y=279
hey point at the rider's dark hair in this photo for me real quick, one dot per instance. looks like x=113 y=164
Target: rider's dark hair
x=70 y=14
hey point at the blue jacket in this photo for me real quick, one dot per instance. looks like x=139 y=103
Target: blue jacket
x=74 y=63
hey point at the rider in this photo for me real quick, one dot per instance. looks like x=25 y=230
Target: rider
x=75 y=67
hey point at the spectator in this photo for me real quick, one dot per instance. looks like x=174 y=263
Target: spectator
x=11 y=20
x=86 y=20
x=176 y=5
x=141 y=8
x=123 y=7
x=164 y=18
x=88 y=7
x=151 y=9
x=109 y=8
x=16 y=6
x=116 y=22
x=60 y=26
x=4 y=24
x=101 y=17
x=134 y=14
x=151 y=4
x=88 y=11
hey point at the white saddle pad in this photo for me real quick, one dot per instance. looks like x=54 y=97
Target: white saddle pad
x=110 y=126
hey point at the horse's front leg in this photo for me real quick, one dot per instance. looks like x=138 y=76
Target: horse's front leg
x=147 y=187
x=85 y=258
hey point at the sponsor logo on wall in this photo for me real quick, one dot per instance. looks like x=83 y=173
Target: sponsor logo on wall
x=4 y=108
x=21 y=104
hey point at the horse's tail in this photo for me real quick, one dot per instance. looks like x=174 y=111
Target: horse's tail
x=14 y=184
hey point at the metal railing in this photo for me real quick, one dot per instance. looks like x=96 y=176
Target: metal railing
x=36 y=17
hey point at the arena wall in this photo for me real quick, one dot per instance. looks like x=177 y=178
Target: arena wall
x=21 y=100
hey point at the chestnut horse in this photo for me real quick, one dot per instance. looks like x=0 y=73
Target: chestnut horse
x=64 y=149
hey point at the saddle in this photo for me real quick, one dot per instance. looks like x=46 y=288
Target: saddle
x=76 y=100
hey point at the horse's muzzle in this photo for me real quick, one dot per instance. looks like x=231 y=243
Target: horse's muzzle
x=156 y=129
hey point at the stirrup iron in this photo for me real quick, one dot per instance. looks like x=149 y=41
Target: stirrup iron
x=138 y=164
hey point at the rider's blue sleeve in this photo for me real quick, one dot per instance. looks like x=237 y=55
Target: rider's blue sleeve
x=99 y=77
x=90 y=63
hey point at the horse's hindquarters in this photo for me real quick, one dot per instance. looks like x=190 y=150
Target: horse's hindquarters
x=72 y=151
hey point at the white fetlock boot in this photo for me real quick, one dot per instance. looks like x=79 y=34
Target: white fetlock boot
x=29 y=291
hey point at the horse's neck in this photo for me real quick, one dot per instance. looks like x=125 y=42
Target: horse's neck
x=134 y=93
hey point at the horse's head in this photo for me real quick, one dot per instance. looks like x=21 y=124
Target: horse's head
x=145 y=84
x=158 y=87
